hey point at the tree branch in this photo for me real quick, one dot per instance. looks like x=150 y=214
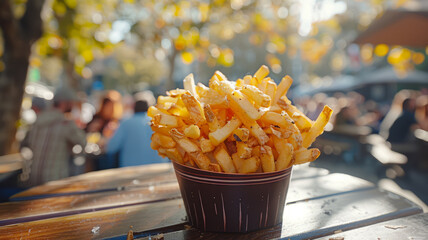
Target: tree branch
x=31 y=22
x=8 y=23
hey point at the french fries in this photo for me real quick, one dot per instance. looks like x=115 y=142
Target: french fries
x=247 y=127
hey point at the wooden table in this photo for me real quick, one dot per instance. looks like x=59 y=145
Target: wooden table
x=108 y=204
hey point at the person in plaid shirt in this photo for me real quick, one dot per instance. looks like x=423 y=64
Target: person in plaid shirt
x=51 y=139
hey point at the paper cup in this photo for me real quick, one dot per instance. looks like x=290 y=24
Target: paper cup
x=221 y=202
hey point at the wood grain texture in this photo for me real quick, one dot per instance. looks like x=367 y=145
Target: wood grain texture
x=23 y=211
x=106 y=179
x=308 y=188
x=410 y=227
x=100 y=224
x=322 y=217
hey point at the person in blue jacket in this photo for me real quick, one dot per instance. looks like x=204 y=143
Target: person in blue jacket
x=132 y=139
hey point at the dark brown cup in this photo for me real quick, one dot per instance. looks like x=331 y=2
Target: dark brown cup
x=221 y=202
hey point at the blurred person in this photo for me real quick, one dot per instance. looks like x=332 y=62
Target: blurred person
x=102 y=127
x=394 y=111
x=372 y=117
x=346 y=116
x=38 y=105
x=104 y=121
x=50 y=141
x=132 y=139
x=402 y=128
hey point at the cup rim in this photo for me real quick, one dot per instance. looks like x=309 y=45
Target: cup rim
x=232 y=175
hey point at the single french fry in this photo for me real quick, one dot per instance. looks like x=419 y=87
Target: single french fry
x=176 y=92
x=282 y=88
x=304 y=155
x=279 y=143
x=285 y=157
x=225 y=88
x=276 y=119
x=255 y=94
x=221 y=134
x=189 y=85
x=200 y=159
x=161 y=129
x=239 y=103
x=163 y=140
x=302 y=122
x=262 y=85
x=221 y=77
x=192 y=131
x=267 y=159
x=214 y=167
x=201 y=89
x=206 y=145
x=194 y=108
x=239 y=82
x=261 y=73
x=237 y=161
x=183 y=141
x=270 y=89
x=318 y=126
x=243 y=150
x=247 y=79
x=166 y=120
x=214 y=83
x=153 y=111
x=165 y=102
x=211 y=118
x=223 y=158
x=174 y=155
x=274 y=131
x=250 y=165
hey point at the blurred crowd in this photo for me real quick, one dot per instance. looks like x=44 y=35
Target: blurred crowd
x=352 y=108
x=73 y=134
x=395 y=122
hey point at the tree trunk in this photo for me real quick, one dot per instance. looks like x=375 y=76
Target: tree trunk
x=11 y=92
x=18 y=36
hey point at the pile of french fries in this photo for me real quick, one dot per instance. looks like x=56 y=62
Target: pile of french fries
x=245 y=126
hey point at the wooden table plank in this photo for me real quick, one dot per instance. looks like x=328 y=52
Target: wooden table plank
x=304 y=171
x=10 y=163
x=322 y=217
x=113 y=179
x=411 y=227
x=22 y=211
x=100 y=224
x=310 y=188
x=107 y=180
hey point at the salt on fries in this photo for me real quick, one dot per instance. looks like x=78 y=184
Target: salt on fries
x=245 y=126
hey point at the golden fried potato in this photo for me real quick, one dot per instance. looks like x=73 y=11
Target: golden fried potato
x=247 y=127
